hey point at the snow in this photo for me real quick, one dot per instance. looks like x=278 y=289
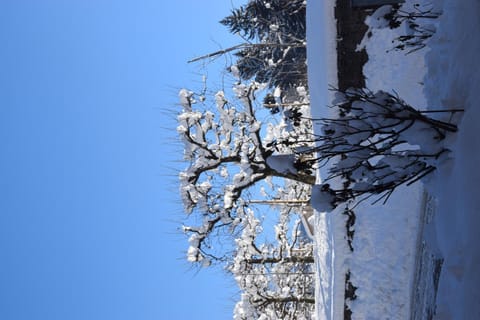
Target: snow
x=384 y=254
x=322 y=72
x=453 y=81
x=388 y=239
x=282 y=163
x=322 y=199
x=394 y=70
x=186 y=99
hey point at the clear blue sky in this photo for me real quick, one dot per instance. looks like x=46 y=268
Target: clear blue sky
x=88 y=193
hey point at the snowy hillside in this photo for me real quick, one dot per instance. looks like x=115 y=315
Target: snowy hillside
x=388 y=238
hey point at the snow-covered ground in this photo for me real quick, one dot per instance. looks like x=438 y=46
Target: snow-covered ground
x=386 y=242
x=322 y=72
x=453 y=81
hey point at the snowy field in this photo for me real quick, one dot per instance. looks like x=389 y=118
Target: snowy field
x=444 y=75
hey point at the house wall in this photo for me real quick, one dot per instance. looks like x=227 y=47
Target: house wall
x=351 y=29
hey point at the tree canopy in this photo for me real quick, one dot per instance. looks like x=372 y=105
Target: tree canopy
x=227 y=154
x=275 y=31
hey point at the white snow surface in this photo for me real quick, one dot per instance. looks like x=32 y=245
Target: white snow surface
x=384 y=254
x=282 y=163
x=322 y=72
x=453 y=81
x=386 y=242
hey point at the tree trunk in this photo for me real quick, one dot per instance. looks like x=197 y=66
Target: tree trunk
x=286 y=300
x=307 y=259
x=304 y=178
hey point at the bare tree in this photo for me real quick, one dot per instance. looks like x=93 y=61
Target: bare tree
x=375 y=143
x=276 y=279
x=227 y=155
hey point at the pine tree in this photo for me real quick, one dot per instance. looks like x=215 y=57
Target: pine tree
x=276 y=30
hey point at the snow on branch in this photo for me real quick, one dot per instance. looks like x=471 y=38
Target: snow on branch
x=227 y=154
x=376 y=143
x=277 y=280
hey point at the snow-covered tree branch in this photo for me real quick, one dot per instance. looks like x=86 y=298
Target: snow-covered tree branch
x=227 y=154
x=276 y=279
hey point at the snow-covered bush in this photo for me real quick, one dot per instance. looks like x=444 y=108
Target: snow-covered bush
x=374 y=144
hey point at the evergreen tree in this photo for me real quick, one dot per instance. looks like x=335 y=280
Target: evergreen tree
x=276 y=30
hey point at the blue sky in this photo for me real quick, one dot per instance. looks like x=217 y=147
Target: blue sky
x=89 y=207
